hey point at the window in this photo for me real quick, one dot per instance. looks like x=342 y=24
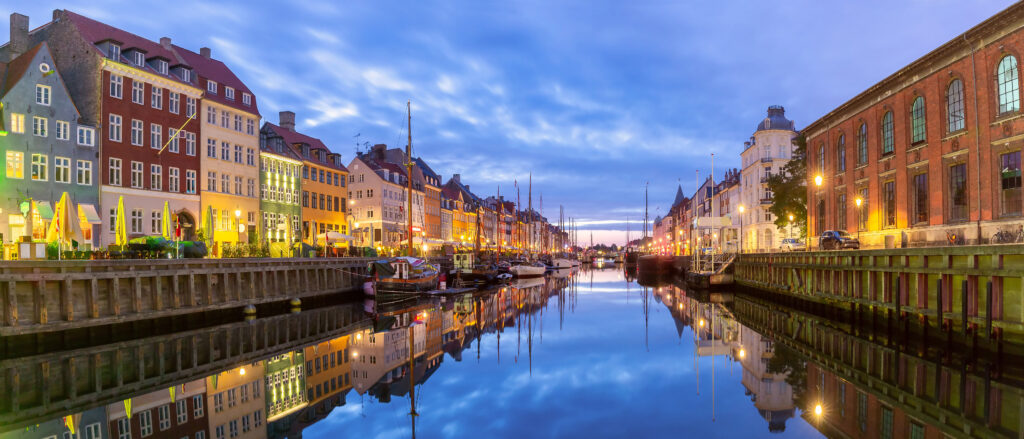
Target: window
x=211 y=115
x=250 y=127
x=841 y=154
x=63 y=130
x=920 y=191
x=250 y=157
x=211 y=181
x=172 y=141
x=917 y=123
x=887 y=137
x=114 y=130
x=137 y=175
x=245 y=423
x=238 y=122
x=173 y=102
x=138 y=92
x=229 y=93
x=42 y=94
x=86 y=136
x=225 y=151
x=197 y=402
x=17 y=123
x=155 y=177
x=190 y=143
x=1010 y=183
x=1009 y=89
x=958 y=192
x=862 y=411
x=164 y=416
x=219 y=432
x=62 y=170
x=39 y=125
x=211 y=148
x=889 y=198
x=156 y=223
x=238 y=153
x=173 y=180
x=955 y=106
x=886 y=426
x=92 y=431
x=224 y=117
x=232 y=393
x=157 y=98
x=916 y=431
x=238 y=185
x=137 y=136
x=115 y=86
x=146 y=422
x=225 y=183
x=190 y=106
x=15 y=164
x=140 y=58
x=211 y=86
x=251 y=188
x=39 y=167
x=161 y=66
x=190 y=182
x=124 y=427
x=156 y=140
x=114 y=175
x=246 y=99
x=233 y=428
x=83 y=172
x=181 y=409
x=305 y=172
x=841 y=211
x=218 y=400
x=821 y=158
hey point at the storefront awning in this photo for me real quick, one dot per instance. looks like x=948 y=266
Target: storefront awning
x=87 y=214
x=44 y=209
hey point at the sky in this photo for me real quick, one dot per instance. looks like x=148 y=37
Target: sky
x=597 y=99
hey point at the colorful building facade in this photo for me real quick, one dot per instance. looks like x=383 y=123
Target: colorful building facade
x=280 y=186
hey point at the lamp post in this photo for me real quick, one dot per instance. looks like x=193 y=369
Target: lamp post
x=741 y=228
x=789 y=230
x=858 y=201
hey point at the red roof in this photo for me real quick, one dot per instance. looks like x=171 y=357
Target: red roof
x=451 y=193
x=217 y=71
x=96 y=32
x=392 y=167
x=13 y=71
x=293 y=137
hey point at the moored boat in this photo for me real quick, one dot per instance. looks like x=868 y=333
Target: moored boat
x=561 y=263
x=528 y=270
x=403 y=274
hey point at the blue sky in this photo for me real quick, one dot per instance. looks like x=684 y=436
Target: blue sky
x=594 y=97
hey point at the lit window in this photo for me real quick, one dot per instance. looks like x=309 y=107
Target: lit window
x=17 y=123
x=39 y=167
x=15 y=164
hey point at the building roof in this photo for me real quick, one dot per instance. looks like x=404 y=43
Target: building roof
x=12 y=72
x=217 y=71
x=293 y=138
x=426 y=170
x=776 y=120
x=679 y=196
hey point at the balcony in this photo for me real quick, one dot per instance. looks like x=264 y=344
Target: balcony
x=766 y=201
x=766 y=159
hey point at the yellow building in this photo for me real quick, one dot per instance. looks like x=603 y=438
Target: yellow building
x=327 y=369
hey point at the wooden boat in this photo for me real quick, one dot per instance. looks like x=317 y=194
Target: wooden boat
x=528 y=270
x=403 y=274
x=561 y=263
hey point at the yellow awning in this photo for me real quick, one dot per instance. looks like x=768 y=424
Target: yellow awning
x=87 y=214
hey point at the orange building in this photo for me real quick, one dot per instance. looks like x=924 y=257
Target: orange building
x=327 y=369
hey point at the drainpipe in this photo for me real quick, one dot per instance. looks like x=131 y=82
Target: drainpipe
x=977 y=133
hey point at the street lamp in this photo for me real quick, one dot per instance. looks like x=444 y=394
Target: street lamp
x=741 y=227
x=789 y=232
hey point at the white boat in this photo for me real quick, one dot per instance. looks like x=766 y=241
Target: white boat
x=576 y=263
x=528 y=270
x=560 y=263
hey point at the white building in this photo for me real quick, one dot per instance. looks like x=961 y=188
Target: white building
x=377 y=202
x=768 y=151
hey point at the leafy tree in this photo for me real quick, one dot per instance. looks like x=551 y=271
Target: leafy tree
x=789 y=189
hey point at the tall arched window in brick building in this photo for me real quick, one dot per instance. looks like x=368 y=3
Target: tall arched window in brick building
x=862 y=144
x=821 y=158
x=917 y=121
x=887 y=138
x=841 y=154
x=1009 y=88
x=955 y=106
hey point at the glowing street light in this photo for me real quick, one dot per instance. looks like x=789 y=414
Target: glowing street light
x=817 y=410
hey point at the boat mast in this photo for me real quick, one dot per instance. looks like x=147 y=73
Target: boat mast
x=408 y=167
x=529 y=208
x=713 y=238
x=497 y=223
x=646 y=185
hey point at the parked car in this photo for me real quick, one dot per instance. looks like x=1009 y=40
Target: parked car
x=792 y=245
x=837 y=239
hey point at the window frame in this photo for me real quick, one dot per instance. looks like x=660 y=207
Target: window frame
x=1007 y=96
x=918 y=122
x=955 y=104
x=887 y=130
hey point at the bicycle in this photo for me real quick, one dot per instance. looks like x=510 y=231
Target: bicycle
x=954 y=239
x=1007 y=237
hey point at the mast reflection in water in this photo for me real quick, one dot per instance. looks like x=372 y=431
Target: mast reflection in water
x=577 y=354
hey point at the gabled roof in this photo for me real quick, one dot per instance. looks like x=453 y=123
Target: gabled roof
x=12 y=72
x=426 y=169
x=219 y=72
x=292 y=138
x=679 y=196
x=95 y=32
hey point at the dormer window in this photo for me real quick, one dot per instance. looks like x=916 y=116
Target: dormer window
x=211 y=86
x=114 y=52
x=160 y=66
x=229 y=93
x=246 y=99
x=140 y=58
x=305 y=151
x=183 y=73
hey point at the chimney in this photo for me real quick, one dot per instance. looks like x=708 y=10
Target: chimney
x=457 y=178
x=378 y=151
x=205 y=52
x=19 y=35
x=287 y=117
x=166 y=42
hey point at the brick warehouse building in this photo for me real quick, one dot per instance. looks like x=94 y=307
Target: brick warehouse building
x=931 y=149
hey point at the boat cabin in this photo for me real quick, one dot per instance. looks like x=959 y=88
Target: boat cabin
x=463 y=262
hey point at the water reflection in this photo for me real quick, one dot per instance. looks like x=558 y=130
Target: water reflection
x=582 y=353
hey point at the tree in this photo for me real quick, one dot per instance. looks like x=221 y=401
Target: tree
x=789 y=189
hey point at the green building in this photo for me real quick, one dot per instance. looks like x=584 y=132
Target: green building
x=285 y=385
x=280 y=186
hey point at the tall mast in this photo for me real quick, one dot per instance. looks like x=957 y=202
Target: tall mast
x=519 y=229
x=529 y=208
x=498 y=221
x=645 y=208
x=408 y=168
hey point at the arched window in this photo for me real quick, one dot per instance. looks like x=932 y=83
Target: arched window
x=917 y=121
x=821 y=157
x=862 y=144
x=887 y=145
x=1009 y=89
x=955 y=106
x=841 y=154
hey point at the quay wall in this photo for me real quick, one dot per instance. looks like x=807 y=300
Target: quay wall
x=969 y=290
x=41 y=296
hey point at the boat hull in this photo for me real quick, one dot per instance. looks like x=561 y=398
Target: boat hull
x=424 y=283
x=524 y=271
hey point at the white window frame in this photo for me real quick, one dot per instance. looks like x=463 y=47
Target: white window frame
x=83 y=172
x=63 y=130
x=18 y=159
x=124 y=425
x=42 y=166
x=156 y=177
x=86 y=136
x=190 y=181
x=246 y=99
x=136 y=223
x=62 y=165
x=43 y=94
x=156 y=136
x=164 y=411
x=138 y=136
x=229 y=93
x=114 y=129
x=190 y=144
x=145 y=416
x=190 y=106
x=114 y=171
x=17 y=123
x=211 y=86
x=156 y=98
x=173 y=102
x=173 y=179
x=172 y=145
x=116 y=88
x=39 y=126
x=138 y=92
x=138 y=175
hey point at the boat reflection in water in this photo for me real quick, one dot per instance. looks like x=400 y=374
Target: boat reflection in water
x=714 y=364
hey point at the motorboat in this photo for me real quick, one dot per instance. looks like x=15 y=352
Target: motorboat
x=562 y=263
x=403 y=274
x=525 y=270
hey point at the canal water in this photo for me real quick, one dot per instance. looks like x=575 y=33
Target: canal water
x=590 y=353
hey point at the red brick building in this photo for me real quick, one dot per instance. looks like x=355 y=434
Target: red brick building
x=931 y=149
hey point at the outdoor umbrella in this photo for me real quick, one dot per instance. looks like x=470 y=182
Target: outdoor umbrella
x=65 y=226
x=121 y=228
x=166 y=228
x=208 y=224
